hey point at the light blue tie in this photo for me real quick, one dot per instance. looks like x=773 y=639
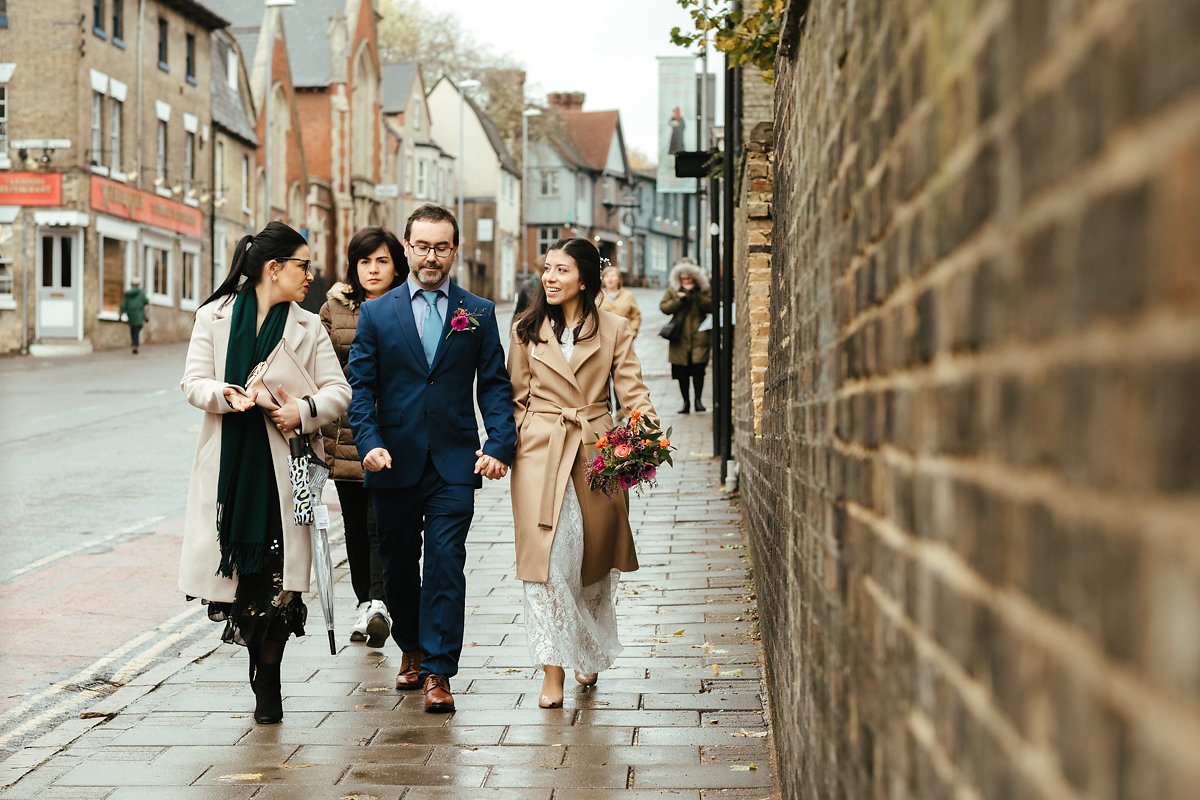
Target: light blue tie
x=433 y=326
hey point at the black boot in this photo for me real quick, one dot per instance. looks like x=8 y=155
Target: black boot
x=687 y=401
x=698 y=386
x=264 y=679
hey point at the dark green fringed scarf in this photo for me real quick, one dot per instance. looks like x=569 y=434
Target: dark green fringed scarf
x=244 y=485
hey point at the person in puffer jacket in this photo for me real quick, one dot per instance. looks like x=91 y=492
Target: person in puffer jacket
x=371 y=271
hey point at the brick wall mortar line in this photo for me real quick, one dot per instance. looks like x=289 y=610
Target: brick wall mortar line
x=1130 y=156
x=1171 y=729
x=924 y=731
x=1162 y=521
x=1038 y=764
x=1156 y=338
x=1104 y=18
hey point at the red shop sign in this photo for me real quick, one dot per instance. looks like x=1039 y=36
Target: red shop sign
x=30 y=188
x=119 y=200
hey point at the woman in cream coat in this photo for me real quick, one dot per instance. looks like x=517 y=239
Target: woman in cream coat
x=572 y=543
x=251 y=568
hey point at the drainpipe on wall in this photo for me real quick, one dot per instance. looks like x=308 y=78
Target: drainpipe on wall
x=31 y=250
x=141 y=60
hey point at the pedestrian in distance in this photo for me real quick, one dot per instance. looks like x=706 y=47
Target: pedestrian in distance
x=242 y=554
x=620 y=301
x=417 y=353
x=528 y=291
x=371 y=263
x=688 y=300
x=133 y=308
x=572 y=543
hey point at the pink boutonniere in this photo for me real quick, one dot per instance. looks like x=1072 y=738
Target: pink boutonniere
x=464 y=320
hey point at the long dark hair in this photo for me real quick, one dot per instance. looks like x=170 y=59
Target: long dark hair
x=362 y=245
x=587 y=258
x=253 y=252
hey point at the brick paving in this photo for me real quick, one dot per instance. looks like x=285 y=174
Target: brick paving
x=680 y=715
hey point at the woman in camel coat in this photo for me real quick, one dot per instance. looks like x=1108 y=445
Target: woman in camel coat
x=571 y=542
x=234 y=566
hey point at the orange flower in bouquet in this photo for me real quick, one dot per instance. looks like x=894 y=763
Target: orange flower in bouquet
x=628 y=457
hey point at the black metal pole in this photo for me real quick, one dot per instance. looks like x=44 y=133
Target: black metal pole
x=687 y=207
x=733 y=145
x=720 y=344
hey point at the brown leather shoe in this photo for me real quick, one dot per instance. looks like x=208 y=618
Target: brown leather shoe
x=438 y=699
x=409 y=676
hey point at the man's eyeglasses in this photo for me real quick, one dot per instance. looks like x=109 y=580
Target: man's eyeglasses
x=305 y=264
x=442 y=250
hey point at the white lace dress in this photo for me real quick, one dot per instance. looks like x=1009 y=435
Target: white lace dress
x=569 y=625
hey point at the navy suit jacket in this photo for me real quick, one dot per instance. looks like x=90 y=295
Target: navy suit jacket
x=415 y=410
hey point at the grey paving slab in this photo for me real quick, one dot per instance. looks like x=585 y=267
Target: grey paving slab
x=292 y=774
x=339 y=792
x=362 y=754
x=614 y=777
x=416 y=775
x=101 y=773
x=609 y=794
x=533 y=755
x=583 y=754
x=568 y=735
x=656 y=776
x=485 y=793
x=477 y=736
x=161 y=736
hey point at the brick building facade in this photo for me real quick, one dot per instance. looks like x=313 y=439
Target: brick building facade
x=971 y=495
x=103 y=167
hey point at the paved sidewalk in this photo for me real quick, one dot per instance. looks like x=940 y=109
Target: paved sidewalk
x=680 y=715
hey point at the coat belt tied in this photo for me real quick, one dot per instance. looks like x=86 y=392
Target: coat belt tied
x=574 y=417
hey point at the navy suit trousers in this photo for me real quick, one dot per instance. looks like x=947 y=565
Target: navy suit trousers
x=427 y=605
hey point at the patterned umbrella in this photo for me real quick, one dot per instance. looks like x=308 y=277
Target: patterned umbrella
x=308 y=475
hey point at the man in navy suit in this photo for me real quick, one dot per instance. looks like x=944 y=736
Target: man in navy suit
x=417 y=352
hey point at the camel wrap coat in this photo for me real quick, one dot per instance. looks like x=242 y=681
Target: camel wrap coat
x=203 y=385
x=560 y=409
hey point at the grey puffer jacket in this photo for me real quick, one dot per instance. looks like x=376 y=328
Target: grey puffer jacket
x=339 y=315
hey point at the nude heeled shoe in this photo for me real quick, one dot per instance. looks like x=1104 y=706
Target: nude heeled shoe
x=586 y=678
x=551 y=701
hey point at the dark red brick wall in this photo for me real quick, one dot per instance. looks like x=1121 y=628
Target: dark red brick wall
x=974 y=499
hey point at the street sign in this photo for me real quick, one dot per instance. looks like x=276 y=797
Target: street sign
x=40 y=144
x=387 y=190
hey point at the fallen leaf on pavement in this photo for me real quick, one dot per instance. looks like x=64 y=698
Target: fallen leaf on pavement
x=743 y=767
x=751 y=734
x=242 y=776
x=679 y=632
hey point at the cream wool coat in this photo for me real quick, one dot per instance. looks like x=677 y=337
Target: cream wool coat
x=203 y=384
x=560 y=409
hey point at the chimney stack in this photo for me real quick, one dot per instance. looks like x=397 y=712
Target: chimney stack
x=566 y=101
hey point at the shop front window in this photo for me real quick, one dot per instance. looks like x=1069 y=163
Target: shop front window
x=112 y=276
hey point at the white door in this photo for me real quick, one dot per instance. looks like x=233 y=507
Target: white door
x=60 y=285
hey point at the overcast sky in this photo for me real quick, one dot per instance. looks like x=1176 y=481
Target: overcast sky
x=605 y=48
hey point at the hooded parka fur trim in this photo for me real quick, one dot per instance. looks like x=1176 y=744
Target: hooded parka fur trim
x=693 y=345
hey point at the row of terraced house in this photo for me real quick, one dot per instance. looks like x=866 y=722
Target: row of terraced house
x=145 y=137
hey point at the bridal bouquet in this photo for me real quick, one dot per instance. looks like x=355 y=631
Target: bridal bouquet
x=628 y=457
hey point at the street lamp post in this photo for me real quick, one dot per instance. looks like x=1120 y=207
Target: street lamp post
x=525 y=115
x=463 y=87
x=272 y=20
